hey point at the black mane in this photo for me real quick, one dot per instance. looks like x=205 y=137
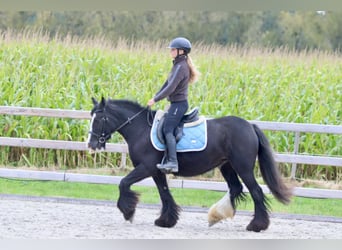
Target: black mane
x=131 y=105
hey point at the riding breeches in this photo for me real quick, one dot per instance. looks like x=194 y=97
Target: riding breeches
x=174 y=116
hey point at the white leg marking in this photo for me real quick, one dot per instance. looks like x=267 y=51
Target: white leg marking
x=221 y=210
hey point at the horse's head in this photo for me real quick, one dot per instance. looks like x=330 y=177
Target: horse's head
x=109 y=116
x=99 y=131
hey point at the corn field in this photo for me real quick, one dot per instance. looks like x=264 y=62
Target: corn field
x=266 y=84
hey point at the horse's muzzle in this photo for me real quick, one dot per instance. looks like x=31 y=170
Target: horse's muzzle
x=94 y=148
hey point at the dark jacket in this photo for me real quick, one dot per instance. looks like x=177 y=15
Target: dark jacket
x=176 y=86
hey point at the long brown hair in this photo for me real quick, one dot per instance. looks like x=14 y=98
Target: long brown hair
x=194 y=73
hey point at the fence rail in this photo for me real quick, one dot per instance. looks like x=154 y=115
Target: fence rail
x=294 y=158
x=122 y=148
x=148 y=182
x=265 y=125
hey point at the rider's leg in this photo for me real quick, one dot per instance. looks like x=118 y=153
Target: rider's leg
x=172 y=119
x=172 y=163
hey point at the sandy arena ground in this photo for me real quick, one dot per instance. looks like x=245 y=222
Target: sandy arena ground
x=51 y=218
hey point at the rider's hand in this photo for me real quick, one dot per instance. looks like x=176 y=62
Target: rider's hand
x=151 y=102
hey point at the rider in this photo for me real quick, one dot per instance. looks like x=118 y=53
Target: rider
x=175 y=89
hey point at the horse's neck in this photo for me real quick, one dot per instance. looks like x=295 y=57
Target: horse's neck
x=135 y=128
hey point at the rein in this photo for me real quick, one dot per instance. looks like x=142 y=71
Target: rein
x=129 y=119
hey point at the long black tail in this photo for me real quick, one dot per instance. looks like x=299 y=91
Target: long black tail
x=269 y=169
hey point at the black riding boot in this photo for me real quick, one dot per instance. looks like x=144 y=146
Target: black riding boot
x=172 y=164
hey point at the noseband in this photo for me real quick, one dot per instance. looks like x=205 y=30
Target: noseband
x=103 y=137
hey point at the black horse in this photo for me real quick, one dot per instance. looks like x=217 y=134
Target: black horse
x=233 y=145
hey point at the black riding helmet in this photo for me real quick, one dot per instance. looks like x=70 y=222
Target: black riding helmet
x=181 y=43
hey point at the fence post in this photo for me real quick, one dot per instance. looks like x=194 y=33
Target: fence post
x=123 y=160
x=296 y=148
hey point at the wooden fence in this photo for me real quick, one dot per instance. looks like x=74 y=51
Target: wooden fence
x=294 y=158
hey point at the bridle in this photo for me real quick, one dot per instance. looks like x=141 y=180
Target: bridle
x=103 y=137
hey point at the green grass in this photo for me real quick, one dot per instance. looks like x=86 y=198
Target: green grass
x=149 y=195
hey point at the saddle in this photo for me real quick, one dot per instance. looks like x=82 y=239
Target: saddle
x=191 y=133
x=189 y=119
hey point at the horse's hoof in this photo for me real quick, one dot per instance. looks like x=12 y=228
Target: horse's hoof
x=131 y=219
x=163 y=223
x=129 y=216
x=257 y=227
x=212 y=223
x=212 y=220
x=253 y=228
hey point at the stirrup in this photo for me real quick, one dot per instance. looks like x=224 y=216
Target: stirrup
x=167 y=169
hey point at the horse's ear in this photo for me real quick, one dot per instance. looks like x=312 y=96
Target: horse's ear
x=94 y=101
x=103 y=101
